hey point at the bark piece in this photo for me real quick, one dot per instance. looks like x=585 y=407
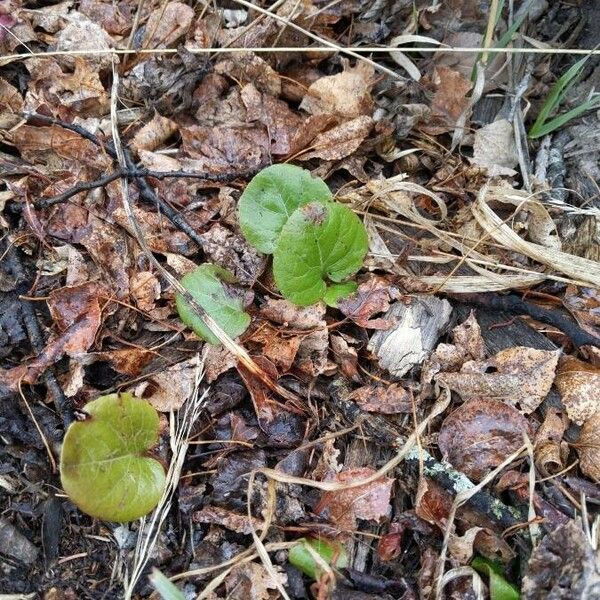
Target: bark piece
x=419 y=324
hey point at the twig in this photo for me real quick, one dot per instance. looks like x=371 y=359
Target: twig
x=515 y=305
x=36 y=339
x=454 y=482
x=135 y=173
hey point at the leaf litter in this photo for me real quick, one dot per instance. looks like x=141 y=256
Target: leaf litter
x=474 y=319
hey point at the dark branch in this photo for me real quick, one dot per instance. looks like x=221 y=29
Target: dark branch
x=36 y=339
x=517 y=306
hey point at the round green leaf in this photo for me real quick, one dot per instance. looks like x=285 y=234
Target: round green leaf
x=318 y=242
x=271 y=197
x=211 y=287
x=104 y=466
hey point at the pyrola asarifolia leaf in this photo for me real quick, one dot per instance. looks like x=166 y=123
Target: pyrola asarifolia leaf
x=104 y=465
x=271 y=197
x=212 y=287
x=331 y=552
x=319 y=242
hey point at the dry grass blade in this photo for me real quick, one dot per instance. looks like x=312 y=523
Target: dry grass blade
x=580 y=269
x=148 y=531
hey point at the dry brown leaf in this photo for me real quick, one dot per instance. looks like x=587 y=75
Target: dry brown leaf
x=480 y=434
x=145 y=290
x=225 y=149
x=285 y=313
x=240 y=523
x=347 y=94
x=217 y=360
x=588 y=448
x=129 y=361
x=282 y=123
x=450 y=99
x=280 y=348
x=167 y=24
x=230 y=250
x=57 y=147
x=154 y=133
x=247 y=67
x=11 y=105
x=311 y=359
x=107 y=14
x=461 y=547
x=370 y=502
x=578 y=383
x=495 y=149
x=341 y=141
x=387 y=399
x=344 y=355
x=170 y=389
x=519 y=376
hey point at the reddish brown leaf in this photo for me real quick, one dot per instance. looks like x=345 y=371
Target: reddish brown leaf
x=588 y=447
x=481 y=434
x=167 y=24
x=280 y=348
x=370 y=502
x=373 y=296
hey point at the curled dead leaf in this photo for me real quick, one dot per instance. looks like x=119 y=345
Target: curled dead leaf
x=480 y=434
x=578 y=383
x=153 y=134
x=387 y=399
x=167 y=24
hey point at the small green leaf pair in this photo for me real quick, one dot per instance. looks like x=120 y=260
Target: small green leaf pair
x=286 y=212
x=316 y=245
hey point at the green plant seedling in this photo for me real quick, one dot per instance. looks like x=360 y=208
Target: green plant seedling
x=212 y=287
x=500 y=589
x=302 y=558
x=104 y=465
x=319 y=242
x=271 y=197
x=166 y=589
x=543 y=124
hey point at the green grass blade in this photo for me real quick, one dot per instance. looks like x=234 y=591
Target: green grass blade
x=540 y=129
x=559 y=91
